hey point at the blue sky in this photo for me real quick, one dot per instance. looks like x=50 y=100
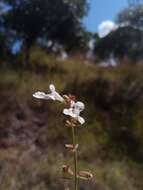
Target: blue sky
x=101 y=10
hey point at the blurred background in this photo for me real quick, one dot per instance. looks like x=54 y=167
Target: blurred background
x=89 y=48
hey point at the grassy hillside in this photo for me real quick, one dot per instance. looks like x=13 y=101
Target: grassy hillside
x=32 y=132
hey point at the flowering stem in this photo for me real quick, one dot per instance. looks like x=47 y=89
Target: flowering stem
x=75 y=159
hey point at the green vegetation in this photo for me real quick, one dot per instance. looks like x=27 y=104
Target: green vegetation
x=32 y=132
x=123 y=42
x=53 y=21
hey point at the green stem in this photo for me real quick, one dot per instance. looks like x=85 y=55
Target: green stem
x=75 y=159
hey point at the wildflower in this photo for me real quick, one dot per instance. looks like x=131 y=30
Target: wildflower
x=53 y=95
x=74 y=112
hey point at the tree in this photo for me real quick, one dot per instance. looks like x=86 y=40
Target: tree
x=4 y=43
x=125 y=41
x=132 y=16
x=57 y=20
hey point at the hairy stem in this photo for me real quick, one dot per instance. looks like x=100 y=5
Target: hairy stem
x=75 y=160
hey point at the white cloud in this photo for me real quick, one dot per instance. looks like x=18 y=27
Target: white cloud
x=106 y=27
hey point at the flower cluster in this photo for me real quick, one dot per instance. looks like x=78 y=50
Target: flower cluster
x=72 y=110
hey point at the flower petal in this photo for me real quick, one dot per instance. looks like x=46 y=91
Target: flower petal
x=41 y=95
x=67 y=112
x=81 y=120
x=79 y=106
x=57 y=96
x=51 y=96
x=52 y=88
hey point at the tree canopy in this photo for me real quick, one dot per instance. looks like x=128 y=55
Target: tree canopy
x=58 y=20
x=125 y=41
x=132 y=16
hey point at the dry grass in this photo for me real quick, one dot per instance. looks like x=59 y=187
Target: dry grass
x=32 y=133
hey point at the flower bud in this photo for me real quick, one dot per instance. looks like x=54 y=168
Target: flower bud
x=85 y=175
x=67 y=170
x=72 y=147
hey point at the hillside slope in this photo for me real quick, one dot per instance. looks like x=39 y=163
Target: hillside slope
x=32 y=132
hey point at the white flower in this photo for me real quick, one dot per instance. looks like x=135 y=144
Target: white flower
x=74 y=111
x=53 y=95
